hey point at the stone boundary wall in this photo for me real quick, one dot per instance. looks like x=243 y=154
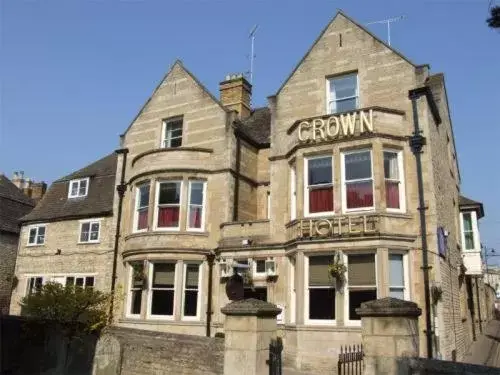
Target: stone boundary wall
x=424 y=366
x=128 y=351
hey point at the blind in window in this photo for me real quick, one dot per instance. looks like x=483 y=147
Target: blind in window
x=318 y=271
x=361 y=269
x=163 y=274
x=192 y=272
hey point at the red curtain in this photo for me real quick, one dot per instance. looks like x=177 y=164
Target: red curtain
x=168 y=217
x=392 y=194
x=359 y=194
x=142 y=221
x=195 y=217
x=321 y=200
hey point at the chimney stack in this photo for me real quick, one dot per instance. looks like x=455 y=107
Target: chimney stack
x=235 y=94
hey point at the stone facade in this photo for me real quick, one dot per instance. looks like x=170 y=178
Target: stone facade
x=8 y=250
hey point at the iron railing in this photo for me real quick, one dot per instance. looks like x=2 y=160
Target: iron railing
x=274 y=362
x=351 y=360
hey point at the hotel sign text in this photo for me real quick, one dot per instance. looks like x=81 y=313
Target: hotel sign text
x=344 y=125
x=339 y=226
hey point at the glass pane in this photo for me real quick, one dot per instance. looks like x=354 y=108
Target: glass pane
x=83 y=187
x=467 y=222
x=318 y=271
x=345 y=105
x=260 y=265
x=196 y=196
x=358 y=165
x=469 y=240
x=320 y=171
x=79 y=281
x=170 y=193
x=89 y=281
x=144 y=196
x=176 y=142
x=142 y=219
x=361 y=269
x=356 y=298
x=94 y=233
x=137 y=274
x=195 y=215
x=70 y=280
x=85 y=227
x=41 y=231
x=344 y=86
x=322 y=304
x=391 y=165
x=396 y=273
x=192 y=272
x=135 y=307
x=84 y=236
x=162 y=302
x=397 y=293
x=359 y=194
x=32 y=235
x=163 y=275
x=74 y=188
x=190 y=302
x=321 y=199
x=392 y=194
x=168 y=217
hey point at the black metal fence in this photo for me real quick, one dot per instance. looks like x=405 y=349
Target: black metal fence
x=274 y=362
x=351 y=360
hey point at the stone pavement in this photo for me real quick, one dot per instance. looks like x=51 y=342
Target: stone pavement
x=486 y=350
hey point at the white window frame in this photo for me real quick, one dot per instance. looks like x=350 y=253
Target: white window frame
x=475 y=231
x=293 y=192
x=156 y=207
x=90 y=222
x=137 y=208
x=306 y=186
x=321 y=322
x=78 y=182
x=166 y=143
x=268 y=211
x=401 y=180
x=150 y=291
x=406 y=274
x=37 y=228
x=345 y=286
x=203 y=206
x=329 y=99
x=57 y=277
x=78 y=276
x=344 y=182
x=258 y=275
x=198 y=301
x=130 y=276
x=28 y=278
x=293 y=293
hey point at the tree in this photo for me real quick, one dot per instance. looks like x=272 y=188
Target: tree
x=494 y=20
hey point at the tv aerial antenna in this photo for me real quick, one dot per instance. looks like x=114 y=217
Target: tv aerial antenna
x=388 y=22
x=252 y=53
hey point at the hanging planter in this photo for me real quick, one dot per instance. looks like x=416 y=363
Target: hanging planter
x=337 y=269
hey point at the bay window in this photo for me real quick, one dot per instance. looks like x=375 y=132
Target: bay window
x=168 y=197
x=318 y=186
x=293 y=193
x=191 y=291
x=196 y=205
x=357 y=180
x=361 y=283
x=162 y=290
x=398 y=277
x=468 y=235
x=320 y=300
x=342 y=93
x=393 y=175
x=141 y=207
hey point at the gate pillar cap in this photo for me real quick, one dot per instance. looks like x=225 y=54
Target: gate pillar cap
x=389 y=307
x=251 y=307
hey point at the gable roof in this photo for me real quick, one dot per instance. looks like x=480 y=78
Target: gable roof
x=257 y=127
x=13 y=205
x=341 y=13
x=180 y=65
x=469 y=204
x=55 y=204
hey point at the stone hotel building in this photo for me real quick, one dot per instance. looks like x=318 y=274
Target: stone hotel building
x=313 y=199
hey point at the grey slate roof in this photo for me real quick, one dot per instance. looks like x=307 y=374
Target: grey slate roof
x=257 y=127
x=467 y=203
x=13 y=205
x=55 y=205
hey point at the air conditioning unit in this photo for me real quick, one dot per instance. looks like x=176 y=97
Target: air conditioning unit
x=271 y=269
x=226 y=269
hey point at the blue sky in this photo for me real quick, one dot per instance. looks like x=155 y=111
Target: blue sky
x=75 y=73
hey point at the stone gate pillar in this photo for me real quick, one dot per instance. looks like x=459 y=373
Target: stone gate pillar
x=389 y=329
x=249 y=327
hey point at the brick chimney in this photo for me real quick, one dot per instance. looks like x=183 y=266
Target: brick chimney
x=235 y=94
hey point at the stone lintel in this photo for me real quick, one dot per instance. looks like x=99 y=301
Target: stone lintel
x=251 y=307
x=389 y=307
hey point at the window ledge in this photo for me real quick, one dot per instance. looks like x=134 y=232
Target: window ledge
x=166 y=233
x=35 y=245
x=162 y=321
x=89 y=243
x=318 y=327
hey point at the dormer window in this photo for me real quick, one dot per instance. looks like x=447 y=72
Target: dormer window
x=78 y=188
x=172 y=133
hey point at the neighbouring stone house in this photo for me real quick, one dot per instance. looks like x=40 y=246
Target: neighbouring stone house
x=69 y=236
x=323 y=179
x=13 y=205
